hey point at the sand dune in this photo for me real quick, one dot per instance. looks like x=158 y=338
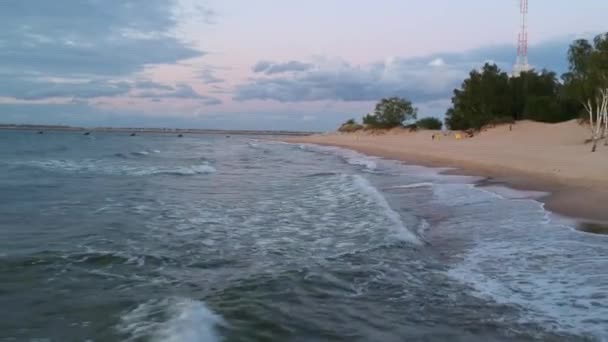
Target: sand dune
x=532 y=155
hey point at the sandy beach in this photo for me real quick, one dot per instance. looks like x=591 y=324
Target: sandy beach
x=529 y=155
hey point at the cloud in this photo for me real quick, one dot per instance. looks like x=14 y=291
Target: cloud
x=208 y=77
x=212 y=101
x=437 y=62
x=111 y=37
x=88 y=37
x=147 y=84
x=34 y=89
x=181 y=91
x=79 y=49
x=420 y=79
x=270 y=68
x=184 y=91
x=345 y=82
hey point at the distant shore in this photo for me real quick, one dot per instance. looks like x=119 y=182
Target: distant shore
x=529 y=156
x=5 y=127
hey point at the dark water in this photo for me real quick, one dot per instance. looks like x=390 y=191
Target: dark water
x=156 y=238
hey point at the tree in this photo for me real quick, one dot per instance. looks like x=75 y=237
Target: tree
x=429 y=123
x=544 y=109
x=587 y=81
x=391 y=112
x=538 y=96
x=490 y=96
x=482 y=97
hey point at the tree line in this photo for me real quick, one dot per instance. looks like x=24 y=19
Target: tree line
x=491 y=96
x=392 y=112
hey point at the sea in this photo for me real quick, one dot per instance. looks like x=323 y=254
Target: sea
x=111 y=237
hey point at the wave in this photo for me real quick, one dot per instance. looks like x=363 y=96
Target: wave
x=172 y=319
x=323 y=174
x=135 y=154
x=61 y=148
x=351 y=157
x=413 y=186
x=188 y=170
x=121 y=155
x=99 y=166
x=140 y=153
x=90 y=258
x=400 y=229
x=505 y=192
x=366 y=162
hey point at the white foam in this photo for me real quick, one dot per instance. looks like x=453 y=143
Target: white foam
x=196 y=169
x=351 y=157
x=402 y=231
x=559 y=297
x=413 y=185
x=509 y=193
x=535 y=262
x=366 y=162
x=168 y=320
x=98 y=166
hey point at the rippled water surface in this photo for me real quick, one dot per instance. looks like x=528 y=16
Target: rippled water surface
x=207 y=238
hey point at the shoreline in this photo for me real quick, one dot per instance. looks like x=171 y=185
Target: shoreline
x=584 y=200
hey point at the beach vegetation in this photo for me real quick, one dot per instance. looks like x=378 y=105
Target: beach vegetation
x=350 y=126
x=484 y=95
x=391 y=112
x=431 y=123
x=490 y=95
x=503 y=120
x=587 y=82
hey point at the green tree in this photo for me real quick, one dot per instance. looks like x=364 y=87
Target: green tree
x=490 y=96
x=538 y=96
x=483 y=96
x=587 y=81
x=544 y=109
x=391 y=112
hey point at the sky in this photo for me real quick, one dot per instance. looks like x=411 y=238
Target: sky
x=264 y=64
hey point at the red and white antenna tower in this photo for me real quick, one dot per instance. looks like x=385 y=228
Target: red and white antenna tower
x=521 y=65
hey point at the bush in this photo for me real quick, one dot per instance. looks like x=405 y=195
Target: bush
x=429 y=123
x=350 y=126
x=502 y=120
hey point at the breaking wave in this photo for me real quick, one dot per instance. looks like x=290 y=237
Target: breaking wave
x=399 y=227
x=97 y=166
x=168 y=320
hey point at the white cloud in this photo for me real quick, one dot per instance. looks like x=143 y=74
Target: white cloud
x=437 y=62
